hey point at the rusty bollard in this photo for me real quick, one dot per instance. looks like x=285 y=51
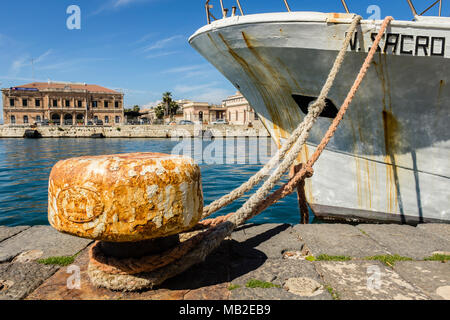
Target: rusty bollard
x=135 y=205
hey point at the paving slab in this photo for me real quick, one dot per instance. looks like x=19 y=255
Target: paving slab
x=338 y=240
x=436 y=229
x=433 y=277
x=20 y=279
x=405 y=240
x=8 y=232
x=55 y=288
x=367 y=280
x=213 y=271
x=264 y=241
x=44 y=238
x=277 y=272
x=263 y=294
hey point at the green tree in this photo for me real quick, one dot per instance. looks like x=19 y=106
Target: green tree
x=136 y=108
x=170 y=107
x=159 y=111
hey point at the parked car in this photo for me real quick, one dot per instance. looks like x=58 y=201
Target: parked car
x=90 y=123
x=44 y=122
x=220 y=121
x=185 y=122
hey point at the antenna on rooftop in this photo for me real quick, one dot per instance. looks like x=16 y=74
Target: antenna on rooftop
x=32 y=67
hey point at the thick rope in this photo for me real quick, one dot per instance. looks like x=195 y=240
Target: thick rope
x=314 y=111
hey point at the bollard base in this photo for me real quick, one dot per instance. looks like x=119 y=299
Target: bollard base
x=112 y=270
x=120 y=282
x=123 y=250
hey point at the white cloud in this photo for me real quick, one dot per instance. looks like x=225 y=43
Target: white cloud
x=209 y=92
x=212 y=95
x=43 y=56
x=117 y=5
x=185 y=88
x=18 y=64
x=24 y=61
x=151 y=104
x=160 y=54
x=144 y=38
x=120 y=3
x=160 y=44
x=184 y=69
x=65 y=64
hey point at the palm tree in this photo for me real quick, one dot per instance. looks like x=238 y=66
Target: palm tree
x=170 y=106
x=167 y=99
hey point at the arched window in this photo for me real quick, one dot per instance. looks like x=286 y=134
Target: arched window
x=25 y=119
x=38 y=118
x=117 y=119
x=13 y=119
x=106 y=119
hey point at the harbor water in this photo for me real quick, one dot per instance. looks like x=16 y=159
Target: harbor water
x=25 y=165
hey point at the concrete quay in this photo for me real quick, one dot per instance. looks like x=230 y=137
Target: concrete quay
x=258 y=262
x=136 y=131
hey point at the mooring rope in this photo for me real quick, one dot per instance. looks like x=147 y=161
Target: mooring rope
x=261 y=200
x=313 y=113
x=201 y=244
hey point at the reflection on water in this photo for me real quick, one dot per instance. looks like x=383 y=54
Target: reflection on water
x=25 y=166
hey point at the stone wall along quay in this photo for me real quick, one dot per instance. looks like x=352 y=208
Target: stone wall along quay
x=136 y=131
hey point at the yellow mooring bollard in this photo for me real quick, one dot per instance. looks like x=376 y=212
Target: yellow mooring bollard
x=135 y=205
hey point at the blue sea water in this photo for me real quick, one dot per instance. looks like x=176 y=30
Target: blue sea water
x=25 y=165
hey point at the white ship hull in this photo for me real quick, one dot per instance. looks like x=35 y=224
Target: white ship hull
x=389 y=159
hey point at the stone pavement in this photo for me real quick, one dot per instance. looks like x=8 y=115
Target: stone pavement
x=269 y=262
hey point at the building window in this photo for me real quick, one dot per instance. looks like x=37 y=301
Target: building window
x=106 y=104
x=25 y=119
x=37 y=102
x=80 y=104
x=106 y=119
x=117 y=119
x=67 y=103
x=94 y=104
x=95 y=118
x=38 y=118
x=13 y=119
x=116 y=104
x=55 y=103
x=25 y=102
x=237 y=116
x=11 y=102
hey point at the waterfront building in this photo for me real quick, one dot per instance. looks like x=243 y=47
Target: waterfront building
x=202 y=112
x=239 y=111
x=62 y=103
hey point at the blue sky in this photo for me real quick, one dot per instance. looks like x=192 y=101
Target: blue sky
x=139 y=46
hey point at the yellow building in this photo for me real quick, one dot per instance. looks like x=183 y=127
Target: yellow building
x=239 y=111
x=202 y=112
x=62 y=104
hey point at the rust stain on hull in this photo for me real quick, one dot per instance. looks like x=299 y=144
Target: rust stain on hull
x=272 y=87
x=391 y=131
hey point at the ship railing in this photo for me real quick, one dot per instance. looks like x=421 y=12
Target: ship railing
x=411 y=6
x=225 y=11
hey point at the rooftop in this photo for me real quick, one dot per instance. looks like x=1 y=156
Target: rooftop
x=66 y=86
